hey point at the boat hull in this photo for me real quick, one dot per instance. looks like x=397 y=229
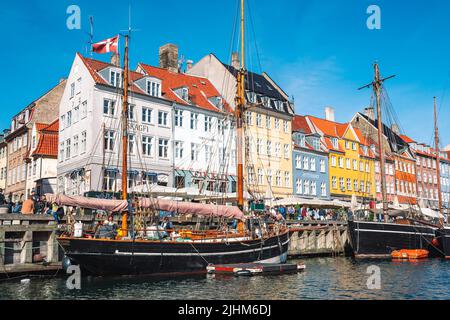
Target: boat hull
x=379 y=240
x=443 y=236
x=109 y=257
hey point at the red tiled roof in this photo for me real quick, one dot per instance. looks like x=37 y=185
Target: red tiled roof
x=299 y=123
x=52 y=127
x=330 y=128
x=200 y=89
x=95 y=66
x=407 y=139
x=47 y=145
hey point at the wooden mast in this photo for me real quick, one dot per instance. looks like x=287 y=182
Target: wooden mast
x=125 y=138
x=438 y=162
x=377 y=86
x=239 y=113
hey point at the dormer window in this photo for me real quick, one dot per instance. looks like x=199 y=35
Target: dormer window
x=114 y=78
x=185 y=94
x=153 y=88
x=278 y=104
x=316 y=143
x=335 y=143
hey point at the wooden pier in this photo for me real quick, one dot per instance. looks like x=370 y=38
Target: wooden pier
x=317 y=238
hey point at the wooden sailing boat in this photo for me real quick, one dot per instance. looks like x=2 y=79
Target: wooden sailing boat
x=379 y=239
x=191 y=252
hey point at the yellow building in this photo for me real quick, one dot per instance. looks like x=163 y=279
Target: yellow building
x=351 y=160
x=268 y=127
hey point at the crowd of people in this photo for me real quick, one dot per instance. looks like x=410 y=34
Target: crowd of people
x=33 y=204
x=304 y=213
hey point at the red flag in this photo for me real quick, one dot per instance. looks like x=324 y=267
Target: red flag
x=108 y=45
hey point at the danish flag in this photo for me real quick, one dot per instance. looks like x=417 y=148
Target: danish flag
x=108 y=45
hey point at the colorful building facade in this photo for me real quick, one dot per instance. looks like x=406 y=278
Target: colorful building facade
x=310 y=162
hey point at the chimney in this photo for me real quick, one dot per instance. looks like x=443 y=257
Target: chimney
x=189 y=64
x=115 y=60
x=329 y=114
x=395 y=128
x=370 y=113
x=168 y=57
x=235 y=62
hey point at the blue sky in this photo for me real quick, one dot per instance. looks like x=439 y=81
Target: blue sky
x=320 y=52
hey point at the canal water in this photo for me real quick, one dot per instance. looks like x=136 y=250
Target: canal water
x=324 y=278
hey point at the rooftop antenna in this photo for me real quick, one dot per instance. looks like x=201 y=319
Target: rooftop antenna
x=91 y=35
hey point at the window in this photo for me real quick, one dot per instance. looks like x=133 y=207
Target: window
x=349 y=184
x=109 y=180
x=313 y=164
x=208 y=124
x=259 y=120
x=260 y=176
x=109 y=108
x=367 y=167
x=362 y=187
x=269 y=176
x=287 y=179
x=147 y=146
x=147 y=115
x=163 y=118
x=251 y=175
x=323 y=168
x=305 y=163
x=268 y=121
x=249 y=118
x=323 y=189
x=130 y=112
x=114 y=79
x=69 y=119
x=298 y=161
x=333 y=161
x=109 y=140
x=68 y=145
x=354 y=146
x=72 y=90
x=355 y=165
x=355 y=185
x=194 y=121
x=299 y=186
x=269 y=148
x=153 y=89
x=278 y=178
x=259 y=146
x=361 y=166
x=286 y=127
x=179 y=150
x=131 y=143
x=75 y=145
x=306 y=188
x=163 y=150
x=313 y=188
x=341 y=184
x=277 y=149
x=347 y=145
x=348 y=163
x=195 y=150
x=286 y=151
x=76 y=114
x=178 y=118
x=341 y=162
x=131 y=179
x=61 y=152
x=83 y=142
x=335 y=143
x=84 y=110
x=277 y=123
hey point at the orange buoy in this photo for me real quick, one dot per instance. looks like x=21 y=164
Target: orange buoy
x=410 y=254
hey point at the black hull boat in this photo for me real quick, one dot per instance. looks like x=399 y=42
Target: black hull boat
x=443 y=236
x=378 y=239
x=118 y=257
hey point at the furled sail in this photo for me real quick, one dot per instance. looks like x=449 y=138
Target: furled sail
x=199 y=209
x=88 y=203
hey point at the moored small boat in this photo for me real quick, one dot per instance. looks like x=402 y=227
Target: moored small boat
x=415 y=254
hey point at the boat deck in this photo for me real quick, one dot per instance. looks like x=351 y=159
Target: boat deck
x=255 y=268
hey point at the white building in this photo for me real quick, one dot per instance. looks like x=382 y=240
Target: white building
x=42 y=160
x=204 y=140
x=90 y=148
x=3 y=160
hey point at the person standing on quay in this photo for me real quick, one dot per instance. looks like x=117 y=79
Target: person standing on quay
x=28 y=206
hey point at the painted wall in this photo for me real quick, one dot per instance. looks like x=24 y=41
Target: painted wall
x=306 y=176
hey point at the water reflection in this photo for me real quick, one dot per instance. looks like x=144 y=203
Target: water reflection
x=324 y=278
